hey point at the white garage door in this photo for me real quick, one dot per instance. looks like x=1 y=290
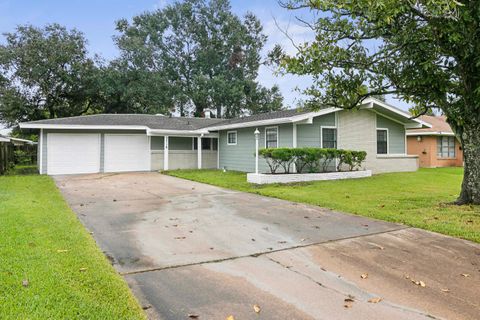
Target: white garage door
x=73 y=153
x=127 y=152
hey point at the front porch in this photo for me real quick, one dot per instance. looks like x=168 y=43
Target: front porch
x=184 y=152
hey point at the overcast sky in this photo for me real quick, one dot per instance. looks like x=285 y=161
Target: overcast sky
x=96 y=19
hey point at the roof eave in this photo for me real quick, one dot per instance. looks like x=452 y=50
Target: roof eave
x=259 y=123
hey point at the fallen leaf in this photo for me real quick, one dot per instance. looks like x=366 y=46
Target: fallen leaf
x=230 y=318
x=301 y=240
x=349 y=300
x=253 y=239
x=382 y=206
x=375 y=300
x=83 y=269
x=446 y=290
x=193 y=316
x=62 y=250
x=180 y=238
x=25 y=283
x=146 y=307
x=281 y=242
x=466 y=275
x=364 y=276
x=407 y=276
x=347 y=306
x=422 y=284
x=256 y=308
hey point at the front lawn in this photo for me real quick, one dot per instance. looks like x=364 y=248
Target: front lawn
x=418 y=199
x=50 y=267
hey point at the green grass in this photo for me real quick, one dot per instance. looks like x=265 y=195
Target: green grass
x=42 y=241
x=419 y=199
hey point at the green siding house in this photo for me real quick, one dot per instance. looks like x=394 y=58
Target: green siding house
x=119 y=142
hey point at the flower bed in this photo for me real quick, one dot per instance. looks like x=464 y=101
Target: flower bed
x=263 y=178
x=310 y=164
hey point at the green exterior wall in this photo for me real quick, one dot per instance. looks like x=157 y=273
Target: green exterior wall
x=309 y=135
x=241 y=157
x=396 y=134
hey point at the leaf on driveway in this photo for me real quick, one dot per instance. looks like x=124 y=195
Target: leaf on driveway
x=375 y=300
x=419 y=283
x=446 y=290
x=230 y=318
x=364 y=276
x=256 y=308
x=25 y=283
x=466 y=275
x=193 y=316
x=180 y=238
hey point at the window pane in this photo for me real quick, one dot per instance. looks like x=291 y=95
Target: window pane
x=382 y=145
x=271 y=138
x=214 y=144
x=206 y=143
x=232 y=137
x=329 y=138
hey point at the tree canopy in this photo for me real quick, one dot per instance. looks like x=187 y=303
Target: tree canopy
x=206 y=56
x=425 y=52
x=45 y=73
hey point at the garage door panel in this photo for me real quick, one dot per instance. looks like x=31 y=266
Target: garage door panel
x=126 y=152
x=73 y=153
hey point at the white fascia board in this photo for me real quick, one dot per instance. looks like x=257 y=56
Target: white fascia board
x=294 y=119
x=182 y=133
x=4 y=139
x=78 y=126
x=369 y=102
x=430 y=133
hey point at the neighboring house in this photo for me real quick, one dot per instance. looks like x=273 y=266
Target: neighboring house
x=436 y=146
x=121 y=142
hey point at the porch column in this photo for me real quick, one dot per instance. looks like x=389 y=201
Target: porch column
x=294 y=143
x=165 y=153
x=199 y=150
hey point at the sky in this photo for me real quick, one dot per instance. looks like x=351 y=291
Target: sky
x=96 y=19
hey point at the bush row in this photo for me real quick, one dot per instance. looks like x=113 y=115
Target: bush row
x=312 y=159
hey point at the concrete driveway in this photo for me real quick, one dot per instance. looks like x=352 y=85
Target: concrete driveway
x=189 y=249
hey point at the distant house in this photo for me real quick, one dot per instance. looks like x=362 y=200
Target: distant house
x=123 y=142
x=436 y=146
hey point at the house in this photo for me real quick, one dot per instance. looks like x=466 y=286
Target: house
x=125 y=142
x=436 y=146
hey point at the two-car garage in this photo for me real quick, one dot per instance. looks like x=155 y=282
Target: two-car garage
x=69 y=153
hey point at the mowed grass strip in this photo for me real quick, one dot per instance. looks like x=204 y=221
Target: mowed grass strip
x=421 y=199
x=50 y=267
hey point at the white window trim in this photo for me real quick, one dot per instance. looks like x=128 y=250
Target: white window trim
x=236 y=138
x=321 y=134
x=388 y=141
x=278 y=136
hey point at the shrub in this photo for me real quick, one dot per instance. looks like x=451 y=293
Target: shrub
x=311 y=159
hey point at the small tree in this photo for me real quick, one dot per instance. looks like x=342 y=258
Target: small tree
x=425 y=52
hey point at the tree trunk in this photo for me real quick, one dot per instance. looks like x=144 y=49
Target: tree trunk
x=470 y=193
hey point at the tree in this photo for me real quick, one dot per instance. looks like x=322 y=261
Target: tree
x=207 y=56
x=425 y=52
x=46 y=74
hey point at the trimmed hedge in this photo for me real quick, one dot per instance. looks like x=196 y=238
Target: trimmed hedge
x=312 y=159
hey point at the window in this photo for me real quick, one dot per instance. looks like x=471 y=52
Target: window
x=446 y=147
x=329 y=138
x=232 y=137
x=271 y=137
x=207 y=143
x=382 y=141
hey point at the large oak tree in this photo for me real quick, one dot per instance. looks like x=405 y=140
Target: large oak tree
x=427 y=52
x=207 y=56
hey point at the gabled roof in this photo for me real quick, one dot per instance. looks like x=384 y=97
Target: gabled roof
x=439 y=127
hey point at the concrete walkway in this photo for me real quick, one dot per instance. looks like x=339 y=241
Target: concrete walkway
x=187 y=248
